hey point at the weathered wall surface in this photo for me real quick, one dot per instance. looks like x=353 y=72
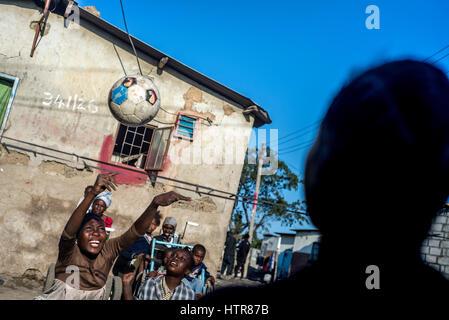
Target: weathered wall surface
x=38 y=193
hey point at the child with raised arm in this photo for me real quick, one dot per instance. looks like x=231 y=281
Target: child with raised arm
x=84 y=250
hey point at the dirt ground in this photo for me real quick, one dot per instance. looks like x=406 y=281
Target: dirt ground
x=24 y=287
x=30 y=284
x=18 y=293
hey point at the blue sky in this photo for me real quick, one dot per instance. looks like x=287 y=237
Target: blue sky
x=290 y=57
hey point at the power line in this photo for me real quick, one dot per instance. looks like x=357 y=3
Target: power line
x=175 y=123
x=309 y=128
x=120 y=59
x=300 y=130
x=293 y=166
x=244 y=200
x=305 y=130
x=301 y=135
x=300 y=148
x=441 y=58
x=296 y=146
x=162 y=122
x=441 y=50
x=130 y=40
x=226 y=195
x=175 y=114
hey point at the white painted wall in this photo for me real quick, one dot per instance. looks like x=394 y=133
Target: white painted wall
x=304 y=240
x=269 y=244
x=287 y=242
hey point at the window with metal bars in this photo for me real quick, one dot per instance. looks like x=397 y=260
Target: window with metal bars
x=185 y=127
x=144 y=147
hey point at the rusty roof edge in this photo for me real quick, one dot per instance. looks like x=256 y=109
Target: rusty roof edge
x=261 y=116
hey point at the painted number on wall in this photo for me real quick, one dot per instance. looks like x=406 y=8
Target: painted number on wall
x=74 y=103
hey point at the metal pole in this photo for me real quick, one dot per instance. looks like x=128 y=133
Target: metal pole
x=276 y=256
x=39 y=27
x=152 y=255
x=185 y=227
x=261 y=156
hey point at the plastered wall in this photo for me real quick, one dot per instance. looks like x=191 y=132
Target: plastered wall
x=38 y=192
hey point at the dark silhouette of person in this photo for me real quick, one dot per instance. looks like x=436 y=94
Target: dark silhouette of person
x=243 y=248
x=229 y=254
x=376 y=175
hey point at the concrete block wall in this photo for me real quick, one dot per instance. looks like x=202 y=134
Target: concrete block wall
x=435 y=249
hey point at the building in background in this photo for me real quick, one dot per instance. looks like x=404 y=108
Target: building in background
x=287 y=240
x=306 y=241
x=276 y=253
x=269 y=244
x=54 y=110
x=284 y=254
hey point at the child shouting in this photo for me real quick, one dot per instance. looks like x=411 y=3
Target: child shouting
x=165 y=287
x=83 y=247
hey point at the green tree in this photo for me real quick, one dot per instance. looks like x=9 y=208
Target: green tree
x=256 y=242
x=271 y=189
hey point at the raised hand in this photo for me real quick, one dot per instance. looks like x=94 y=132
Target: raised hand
x=105 y=181
x=168 y=198
x=165 y=199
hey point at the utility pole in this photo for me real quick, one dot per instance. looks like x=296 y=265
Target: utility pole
x=261 y=157
x=276 y=255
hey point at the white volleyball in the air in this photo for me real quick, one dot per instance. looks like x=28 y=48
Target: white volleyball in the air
x=134 y=100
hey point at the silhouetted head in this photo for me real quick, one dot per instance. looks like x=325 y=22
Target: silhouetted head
x=379 y=168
